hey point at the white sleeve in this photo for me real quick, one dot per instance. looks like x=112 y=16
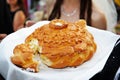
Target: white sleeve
x=109 y=10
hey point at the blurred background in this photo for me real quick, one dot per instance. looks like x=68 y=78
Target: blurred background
x=40 y=9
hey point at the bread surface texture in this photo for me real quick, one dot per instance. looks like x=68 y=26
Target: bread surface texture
x=60 y=44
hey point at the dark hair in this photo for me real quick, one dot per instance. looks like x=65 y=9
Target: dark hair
x=85 y=6
x=20 y=3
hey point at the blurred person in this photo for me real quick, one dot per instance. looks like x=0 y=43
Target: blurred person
x=108 y=8
x=18 y=14
x=80 y=9
x=5 y=20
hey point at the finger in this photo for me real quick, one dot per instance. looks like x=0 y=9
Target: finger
x=29 y=23
x=2 y=36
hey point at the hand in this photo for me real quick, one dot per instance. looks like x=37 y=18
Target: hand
x=2 y=36
x=29 y=23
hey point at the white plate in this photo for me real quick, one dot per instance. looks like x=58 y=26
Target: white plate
x=105 y=41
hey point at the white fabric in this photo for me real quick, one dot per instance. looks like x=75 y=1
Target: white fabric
x=105 y=41
x=108 y=7
x=117 y=74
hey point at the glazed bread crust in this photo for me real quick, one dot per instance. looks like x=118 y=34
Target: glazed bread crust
x=64 y=44
x=60 y=44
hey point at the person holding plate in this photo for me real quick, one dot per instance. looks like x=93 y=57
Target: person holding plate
x=80 y=9
x=111 y=69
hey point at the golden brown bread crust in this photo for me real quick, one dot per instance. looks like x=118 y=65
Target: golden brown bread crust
x=64 y=44
x=23 y=57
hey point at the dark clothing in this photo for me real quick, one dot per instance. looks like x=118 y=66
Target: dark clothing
x=13 y=13
x=1 y=78
x=119 y=77
x=5 y=20
x=118 y=12
x=111 y=66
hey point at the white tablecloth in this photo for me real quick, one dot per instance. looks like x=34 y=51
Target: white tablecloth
x=105 y=42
